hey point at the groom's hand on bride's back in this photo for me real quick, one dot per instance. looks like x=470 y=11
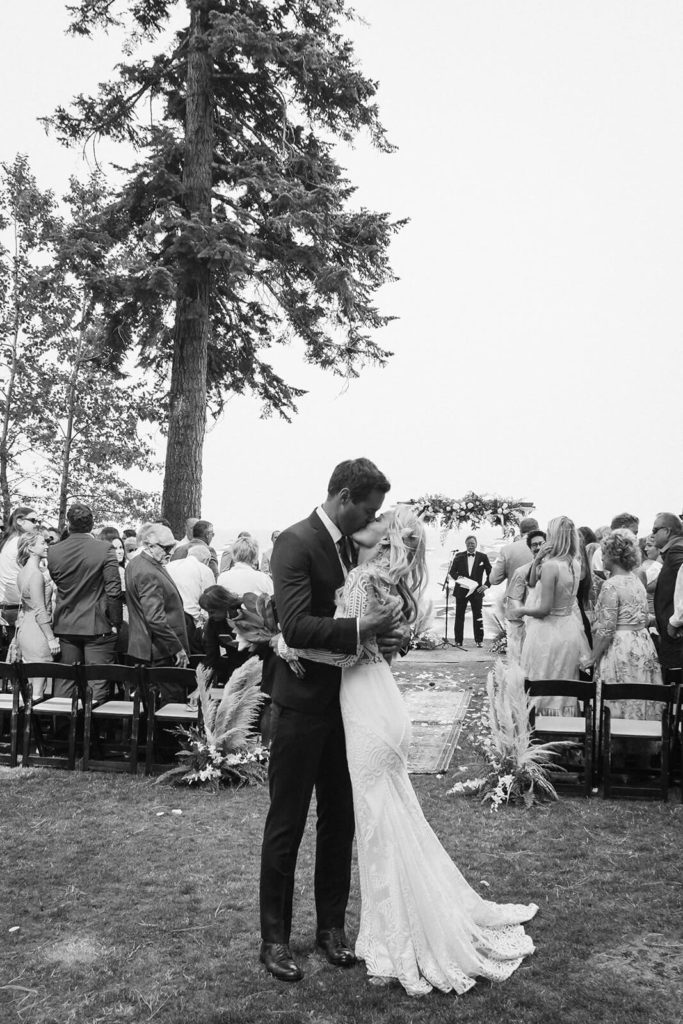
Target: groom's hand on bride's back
x=380 y=618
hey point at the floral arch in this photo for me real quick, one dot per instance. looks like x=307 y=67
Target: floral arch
x=473 y=510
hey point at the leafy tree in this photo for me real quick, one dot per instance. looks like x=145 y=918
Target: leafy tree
x=237 y=209
x=27 y=218
x=89 y=432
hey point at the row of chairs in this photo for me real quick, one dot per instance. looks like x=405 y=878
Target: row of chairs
x=595 y=729
x=69 y=732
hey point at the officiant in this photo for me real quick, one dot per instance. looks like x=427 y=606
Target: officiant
x=468 y=569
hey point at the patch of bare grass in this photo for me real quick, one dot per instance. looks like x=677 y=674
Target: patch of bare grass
x=127 y=912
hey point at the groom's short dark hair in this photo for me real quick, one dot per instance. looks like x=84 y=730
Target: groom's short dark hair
x=360 y=476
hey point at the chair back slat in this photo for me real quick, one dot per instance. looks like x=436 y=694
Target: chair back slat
x=560 y=688
x=49 y=670
x=112 y=673
x=637 y=691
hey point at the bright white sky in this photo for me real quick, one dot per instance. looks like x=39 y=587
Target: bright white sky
x=540 y=298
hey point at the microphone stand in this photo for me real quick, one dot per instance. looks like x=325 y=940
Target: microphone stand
x=445 y=586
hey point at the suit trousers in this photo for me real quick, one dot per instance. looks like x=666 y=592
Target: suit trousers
x=89 y=650
x=461 y=601
x=307 y=752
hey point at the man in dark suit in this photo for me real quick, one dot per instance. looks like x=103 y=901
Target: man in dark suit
x=89 y=607
x=309 y=563
x=157 y=634
x=470 y=564
x=667 y=534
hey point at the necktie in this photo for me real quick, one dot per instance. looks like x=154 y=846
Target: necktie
x=342 y=548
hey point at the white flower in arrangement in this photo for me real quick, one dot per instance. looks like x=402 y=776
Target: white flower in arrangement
x=505 y=506
x=470 y=504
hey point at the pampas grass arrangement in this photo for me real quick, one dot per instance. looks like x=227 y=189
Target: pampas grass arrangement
x=519 y=768
x=222 y=751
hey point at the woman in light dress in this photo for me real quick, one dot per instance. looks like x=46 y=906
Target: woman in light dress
x=517 y=597
x=421 y=922
x=624 y=651
x=22 y=521
x=34 y=638
x=555 y=645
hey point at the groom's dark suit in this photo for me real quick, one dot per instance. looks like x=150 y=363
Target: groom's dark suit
x=307 y=747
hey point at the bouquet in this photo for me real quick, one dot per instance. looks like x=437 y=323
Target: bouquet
x=255 y=622
x=220 y=750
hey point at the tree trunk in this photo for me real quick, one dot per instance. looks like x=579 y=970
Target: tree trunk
x=70 y=411
x=182 y=490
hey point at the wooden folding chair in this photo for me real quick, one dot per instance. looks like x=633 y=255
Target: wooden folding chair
x=636 y=730
x=54 y=708
x=580 y=728
x=158 y=684
x=676 y=741
x=12 y=707
x=123 y=756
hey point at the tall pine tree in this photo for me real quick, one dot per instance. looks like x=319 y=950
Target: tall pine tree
x=238 y=213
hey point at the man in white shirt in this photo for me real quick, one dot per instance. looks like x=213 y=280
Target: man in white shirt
x=243 y=577
x=192 y=577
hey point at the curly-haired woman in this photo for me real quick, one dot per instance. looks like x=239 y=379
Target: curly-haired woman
x=623 y=648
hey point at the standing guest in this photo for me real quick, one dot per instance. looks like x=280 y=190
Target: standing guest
x=130 y=547
x=183 y=544
x=156 y=618
x=88 y=612
x=202 y=533
x=622 y=521
x=111 y=534
x=227 y=561
x=650 y=568
x=518 y=591
x=555 y=646
x=623 y=651
x=310 y=562
x=192 y=576
x=675 y=627
x=34 y=638
x=266 y=556
x=471 y=564
x=244 y=577
x=51 y=534
x=667 y=534
x=512 y=556
x=22 y=521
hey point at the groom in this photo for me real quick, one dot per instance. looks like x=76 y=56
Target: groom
x=309 y=563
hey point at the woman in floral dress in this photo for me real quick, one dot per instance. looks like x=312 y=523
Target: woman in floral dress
x=623 y=648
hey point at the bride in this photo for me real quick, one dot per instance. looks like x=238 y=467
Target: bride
x=421 y=922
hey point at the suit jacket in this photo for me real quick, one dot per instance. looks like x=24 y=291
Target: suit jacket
x=156 y=619
x=306 y=573
x=481 y=565
x=511 y=557
x=666 y=584
x=86 y=574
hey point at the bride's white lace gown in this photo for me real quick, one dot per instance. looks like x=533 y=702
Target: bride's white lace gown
x=421 y=922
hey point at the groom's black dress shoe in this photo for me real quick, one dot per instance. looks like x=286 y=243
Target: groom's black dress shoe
x=278 y=959
x=333 y=943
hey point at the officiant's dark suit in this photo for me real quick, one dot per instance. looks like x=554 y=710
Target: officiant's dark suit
x=473 y=565
x=307 y=747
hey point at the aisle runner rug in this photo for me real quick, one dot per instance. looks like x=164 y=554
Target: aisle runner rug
x=437 y=713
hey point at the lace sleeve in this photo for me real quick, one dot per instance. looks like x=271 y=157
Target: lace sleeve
x=606 y=612
x=351 y=603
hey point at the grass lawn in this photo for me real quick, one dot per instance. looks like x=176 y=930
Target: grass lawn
x=130 y=912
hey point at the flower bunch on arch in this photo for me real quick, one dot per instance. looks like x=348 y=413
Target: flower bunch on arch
x=471 y=510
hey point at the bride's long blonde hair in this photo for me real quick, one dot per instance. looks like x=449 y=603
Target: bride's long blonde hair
x=405 y=552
